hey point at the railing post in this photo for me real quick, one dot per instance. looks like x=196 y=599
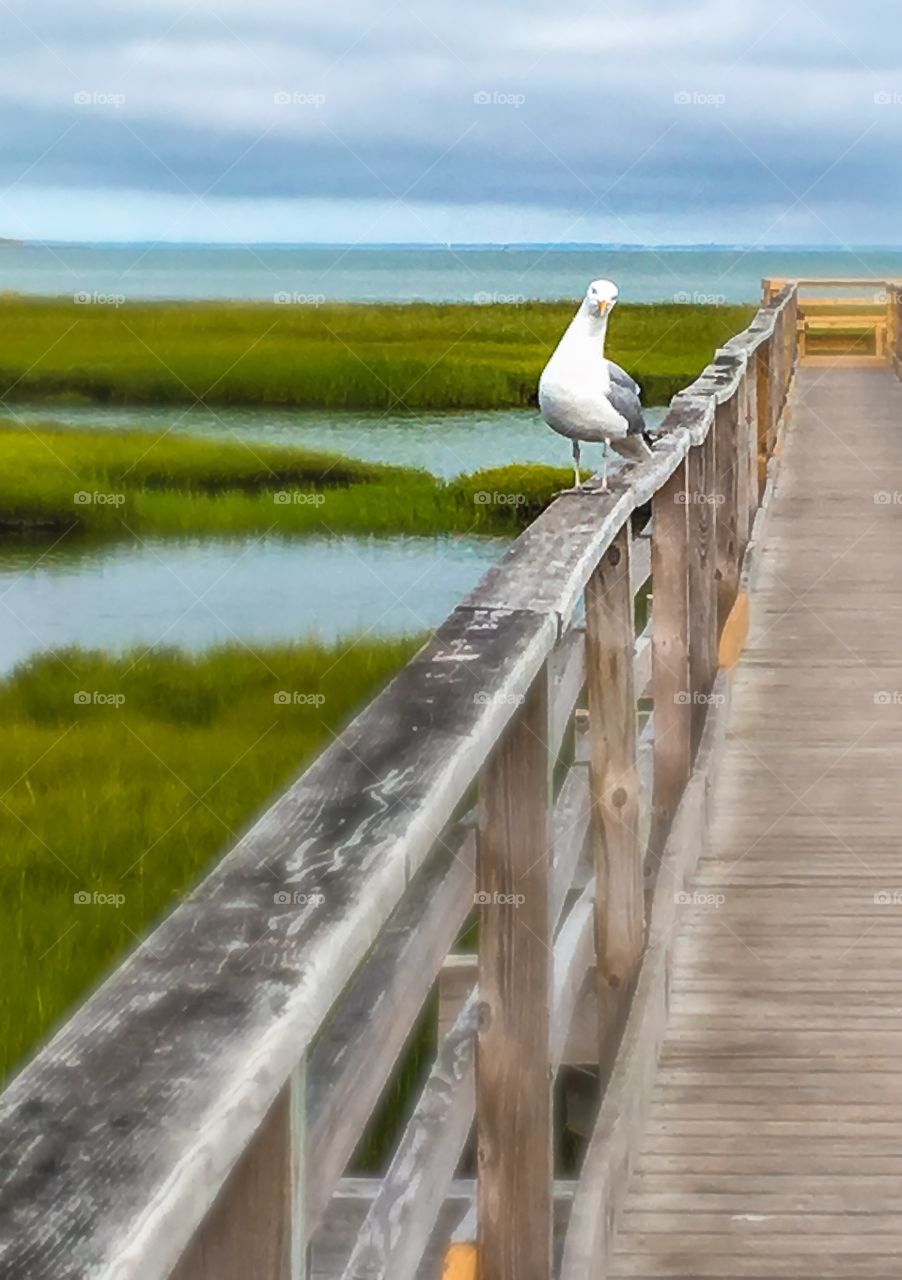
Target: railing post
x=513 y=1090
x=727 y=493
x=614 y=784
x=256 y=1226
x=702 y=582
x=671 y=686
x=777 y=359
x=764 y=400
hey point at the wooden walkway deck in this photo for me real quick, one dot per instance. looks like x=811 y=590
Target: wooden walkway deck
x=197 y=1117
x=774 y=1144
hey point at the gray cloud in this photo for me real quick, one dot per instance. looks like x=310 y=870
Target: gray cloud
x=669 y=111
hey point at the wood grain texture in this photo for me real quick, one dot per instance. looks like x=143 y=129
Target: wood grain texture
x=364 y=1036
x=772 y=1144
x=402 y=1218
x=514 y=1116
x=671 y=687
x=729 y=460
x=613 y=731
x=250 y=1230
x=115 y=1142
x=702 y=580
x=617 y=1135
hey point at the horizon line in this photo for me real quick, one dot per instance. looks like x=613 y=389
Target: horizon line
x=458 y=246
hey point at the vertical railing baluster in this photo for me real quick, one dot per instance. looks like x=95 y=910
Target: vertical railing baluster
x=256 y=1225
x=514 y=1102
x=702 y=582
x=751 y=382
x=671 y=686
x=727 y=487
x=614 y=783
x=762 y=403
x=745 y=502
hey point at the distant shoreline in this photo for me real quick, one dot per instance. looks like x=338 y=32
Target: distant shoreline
x=524 y=246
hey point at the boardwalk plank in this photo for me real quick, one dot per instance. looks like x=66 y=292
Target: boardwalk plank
x=774 y=1143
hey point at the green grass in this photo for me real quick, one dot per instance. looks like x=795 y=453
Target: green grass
x=340 y=356
x=135 y=484
x=139 y=799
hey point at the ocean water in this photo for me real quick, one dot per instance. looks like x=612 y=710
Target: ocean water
x=440 y=274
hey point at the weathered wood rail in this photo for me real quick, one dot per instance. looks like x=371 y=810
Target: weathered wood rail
x=843 y=319
x=539 y=763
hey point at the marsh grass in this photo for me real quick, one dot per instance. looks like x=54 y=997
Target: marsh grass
x=139 y=799
x=339 y=356
x=134 y=483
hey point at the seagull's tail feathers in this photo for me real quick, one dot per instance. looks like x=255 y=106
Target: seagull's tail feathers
x=634 y=447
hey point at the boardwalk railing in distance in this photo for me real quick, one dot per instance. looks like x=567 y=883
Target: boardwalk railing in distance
x=537 y=764
x=851 y=315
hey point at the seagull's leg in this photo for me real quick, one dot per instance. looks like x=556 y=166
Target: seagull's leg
x=577 y=483
x=604 y=466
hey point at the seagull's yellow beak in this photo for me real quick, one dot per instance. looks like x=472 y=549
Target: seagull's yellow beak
x=603 y=307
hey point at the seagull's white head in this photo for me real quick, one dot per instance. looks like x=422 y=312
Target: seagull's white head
x=601 y=297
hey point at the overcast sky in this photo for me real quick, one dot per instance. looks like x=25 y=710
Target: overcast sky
x=652 y=121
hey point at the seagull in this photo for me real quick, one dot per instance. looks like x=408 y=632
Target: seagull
x=586 y=397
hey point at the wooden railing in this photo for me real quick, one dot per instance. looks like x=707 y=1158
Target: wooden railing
x=196 y=1117
x=844 y=318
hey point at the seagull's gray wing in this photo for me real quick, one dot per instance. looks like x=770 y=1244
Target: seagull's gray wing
x=626 y=402
x=622 y=379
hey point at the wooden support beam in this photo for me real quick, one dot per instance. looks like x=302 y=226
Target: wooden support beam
x=727 y=489
x=614 y=781
x=514 y=1107
x=702 y=584
x=764 y=396
x=742 y=464
x=671 y=685
x=255 y=1226
x=750 y=413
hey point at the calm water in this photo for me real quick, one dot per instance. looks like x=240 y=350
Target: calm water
x=445 y=444
x=197 y=593
x=435 y=274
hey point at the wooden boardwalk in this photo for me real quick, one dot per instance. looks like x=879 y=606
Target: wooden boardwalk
x=550 y=767
x=774 y=1141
